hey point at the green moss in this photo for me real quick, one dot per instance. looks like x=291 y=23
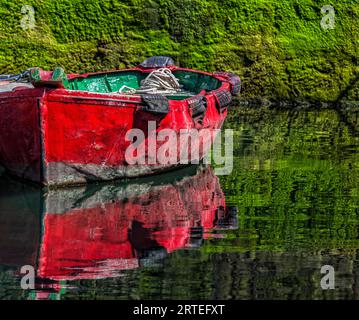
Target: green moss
x=277 y=47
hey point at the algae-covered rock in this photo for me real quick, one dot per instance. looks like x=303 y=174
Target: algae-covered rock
x=283 y=49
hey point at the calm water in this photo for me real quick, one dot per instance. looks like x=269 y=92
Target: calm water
x=295 y=185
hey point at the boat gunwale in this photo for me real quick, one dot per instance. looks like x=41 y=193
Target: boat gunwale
x=224 y=85
x=133 y=99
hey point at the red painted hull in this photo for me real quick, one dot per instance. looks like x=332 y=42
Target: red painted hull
x=62 y=137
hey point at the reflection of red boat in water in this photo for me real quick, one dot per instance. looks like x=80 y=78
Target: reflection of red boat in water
x=100 y=230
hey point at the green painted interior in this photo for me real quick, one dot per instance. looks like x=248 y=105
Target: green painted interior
x=193 y=83
x=196 y=82
x=106 y=82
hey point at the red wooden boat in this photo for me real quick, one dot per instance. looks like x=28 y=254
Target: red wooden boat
x=101 y=230
x=58 y=129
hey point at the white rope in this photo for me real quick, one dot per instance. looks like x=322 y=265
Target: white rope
x=129 y=90
x=161 y=81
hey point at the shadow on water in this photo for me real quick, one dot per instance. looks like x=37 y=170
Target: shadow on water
x=295 y=184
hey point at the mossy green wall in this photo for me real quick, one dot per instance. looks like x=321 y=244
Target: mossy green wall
x=277 y=47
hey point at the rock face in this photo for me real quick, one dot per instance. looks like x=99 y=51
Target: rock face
x=282 y=49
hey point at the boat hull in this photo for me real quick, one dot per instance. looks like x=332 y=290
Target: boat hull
x=60 y=137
